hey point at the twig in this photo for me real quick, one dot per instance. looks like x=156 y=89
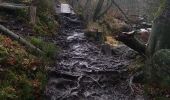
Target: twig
x=94 y=80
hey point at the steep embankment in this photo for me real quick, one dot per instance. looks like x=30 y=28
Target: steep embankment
x=22 y=70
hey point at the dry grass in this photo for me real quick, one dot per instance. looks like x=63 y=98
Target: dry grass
x=111 y=41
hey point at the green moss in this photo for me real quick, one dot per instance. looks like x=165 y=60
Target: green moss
x=50 y=49
x=22 y=15
x=46 y=24
x=3 y=53
x=160 y=67
x=8 y=93
x=18 y=78
x=16 y=87
x=41 y=75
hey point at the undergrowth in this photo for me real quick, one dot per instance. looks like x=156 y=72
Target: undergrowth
x=22 y=75
x=50 y=49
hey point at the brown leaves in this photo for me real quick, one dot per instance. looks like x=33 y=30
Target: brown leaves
x=31 y=64
x=36 y=83
x=7 y=42
x=24 y=68
x=11 y=61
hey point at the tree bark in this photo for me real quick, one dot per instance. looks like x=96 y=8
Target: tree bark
x=160 y=35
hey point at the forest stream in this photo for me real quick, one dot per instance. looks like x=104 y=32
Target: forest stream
x=83 y=72
x=84 y=50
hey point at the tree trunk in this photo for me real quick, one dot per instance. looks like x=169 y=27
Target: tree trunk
x=160 y=35
x=98 y=9
x=158 y=50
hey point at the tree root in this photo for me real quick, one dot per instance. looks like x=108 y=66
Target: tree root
x=131 y=80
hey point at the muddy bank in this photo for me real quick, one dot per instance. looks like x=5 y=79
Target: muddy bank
x=83 y=72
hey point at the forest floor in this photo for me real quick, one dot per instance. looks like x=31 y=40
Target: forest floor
x=22 y=71
x=80 y=70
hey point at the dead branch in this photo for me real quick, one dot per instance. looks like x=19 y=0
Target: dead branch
x=13 y=6
x=12 y=35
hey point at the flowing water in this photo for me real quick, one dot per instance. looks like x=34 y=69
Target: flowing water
x=83 y=72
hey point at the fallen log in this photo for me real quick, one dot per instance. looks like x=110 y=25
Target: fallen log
x=14 y=36
x=129 y=39
x=13 y=6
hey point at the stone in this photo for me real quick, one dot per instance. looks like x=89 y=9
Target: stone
x=160 y=70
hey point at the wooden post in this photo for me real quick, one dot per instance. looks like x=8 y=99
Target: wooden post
x=32 y=14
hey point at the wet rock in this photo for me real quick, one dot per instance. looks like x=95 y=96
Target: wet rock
x=160 y=69
x=106 y=49
x=124 y=51
x=145 y=25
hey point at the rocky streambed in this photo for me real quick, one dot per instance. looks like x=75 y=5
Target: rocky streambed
x=83 y=72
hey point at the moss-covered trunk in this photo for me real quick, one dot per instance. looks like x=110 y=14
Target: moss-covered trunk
x=158 y=49
x=160 y=36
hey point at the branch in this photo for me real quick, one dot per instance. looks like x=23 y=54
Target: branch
x=13 y=6
x=9 y=33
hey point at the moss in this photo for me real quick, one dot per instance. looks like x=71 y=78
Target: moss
x=161 y=8
x=160 y=67
x=46 y=24
x=23 y=76
x=50 y=49
x=3 y=53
